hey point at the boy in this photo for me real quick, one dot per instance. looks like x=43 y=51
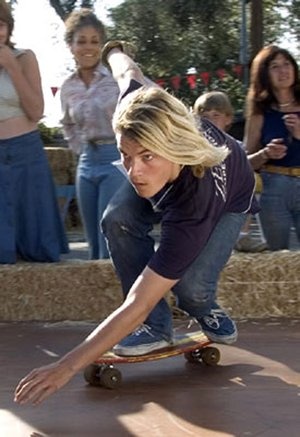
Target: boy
x=217 y=108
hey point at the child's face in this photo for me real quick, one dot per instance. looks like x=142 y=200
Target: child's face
x=219 y=119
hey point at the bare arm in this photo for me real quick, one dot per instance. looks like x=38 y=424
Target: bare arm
x=123 y=67
x=25 y=75
x=148 y=289
x=257 y=155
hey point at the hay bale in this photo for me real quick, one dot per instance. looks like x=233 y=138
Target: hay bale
x=63 y=164
x=251 y=285
x=261 y=284
x=70 y=290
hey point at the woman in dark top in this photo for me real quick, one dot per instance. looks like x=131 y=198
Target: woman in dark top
x=273 y=141
x=200 y=186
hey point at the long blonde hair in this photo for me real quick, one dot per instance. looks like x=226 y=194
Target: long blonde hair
x=162 y=124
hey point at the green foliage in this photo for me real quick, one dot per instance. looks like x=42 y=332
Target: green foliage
x=51 y=135
x=64 y=7
x=175 y=35
x=293 y=20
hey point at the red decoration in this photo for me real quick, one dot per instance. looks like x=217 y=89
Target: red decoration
x=175 y=81
x=205 y=76
x=161 y=82
x=54 y=90
x=221 y=73
x=237 y=69
x=191 y=79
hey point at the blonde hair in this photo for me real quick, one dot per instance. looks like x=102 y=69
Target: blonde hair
x=213 y=100
x=162 y=124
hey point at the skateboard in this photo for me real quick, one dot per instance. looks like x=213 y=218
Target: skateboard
x=195 y=347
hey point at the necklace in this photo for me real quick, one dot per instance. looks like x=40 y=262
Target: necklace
x=284 y=105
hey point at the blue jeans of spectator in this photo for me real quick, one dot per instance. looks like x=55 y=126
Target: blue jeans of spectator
x=127 y=224
x=97 y=180
x=280 y=209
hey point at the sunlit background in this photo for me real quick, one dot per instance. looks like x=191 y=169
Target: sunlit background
x=38 y=27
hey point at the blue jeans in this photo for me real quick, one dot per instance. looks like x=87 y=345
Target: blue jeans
x=30 y=223
x=97 y=180
x=127 y=223
x=280 y=209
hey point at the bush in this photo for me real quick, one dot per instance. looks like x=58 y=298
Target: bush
x=52 y=135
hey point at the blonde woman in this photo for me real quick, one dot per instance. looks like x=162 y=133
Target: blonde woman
x=199 y=185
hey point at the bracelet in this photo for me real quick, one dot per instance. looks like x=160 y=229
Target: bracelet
x=265 y=154
x=107 y=48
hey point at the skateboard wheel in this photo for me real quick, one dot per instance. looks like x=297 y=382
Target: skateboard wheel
x=210 y=356
x=110 y=377
x=193 y=356
x=92 y=374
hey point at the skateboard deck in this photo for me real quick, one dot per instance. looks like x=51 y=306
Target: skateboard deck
x=194 y=345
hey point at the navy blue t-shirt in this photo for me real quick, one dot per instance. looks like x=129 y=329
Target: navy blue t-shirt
x=191 y=207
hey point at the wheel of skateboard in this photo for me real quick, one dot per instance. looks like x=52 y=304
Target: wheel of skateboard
x=193 y=356
x=92 y=374
x=110 y=377
x=210 y=355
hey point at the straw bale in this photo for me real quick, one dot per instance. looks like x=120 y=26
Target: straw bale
x=63 y=164
x=251 y=285
x=259 y=285
x=71 y=290
x=265 y=284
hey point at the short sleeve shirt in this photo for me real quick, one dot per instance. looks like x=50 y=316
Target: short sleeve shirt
x=191 y=207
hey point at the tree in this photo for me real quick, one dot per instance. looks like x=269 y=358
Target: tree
x=181 y=34
x=293 y=20
x=256 y=27
x=64 y=7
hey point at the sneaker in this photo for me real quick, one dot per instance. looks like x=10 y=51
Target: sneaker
x=219 y=327
x=248 y=244
x=141 y=342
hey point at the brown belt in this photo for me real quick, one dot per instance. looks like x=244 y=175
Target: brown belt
x=100 y=142
x=286 y=171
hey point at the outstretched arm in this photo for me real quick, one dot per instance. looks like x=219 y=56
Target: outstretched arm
x=147 y=290
x=116 y=54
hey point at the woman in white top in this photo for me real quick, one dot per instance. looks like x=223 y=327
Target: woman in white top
x=30 y=222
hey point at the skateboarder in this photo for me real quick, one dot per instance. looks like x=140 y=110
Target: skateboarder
x=194 y=180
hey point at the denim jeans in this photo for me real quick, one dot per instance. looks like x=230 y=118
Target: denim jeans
x=30 y=223
x=127 y=223
x=97 y=180
x=280 y=209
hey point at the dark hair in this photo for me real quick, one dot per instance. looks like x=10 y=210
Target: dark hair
x=260 y=96
x=7 y=17
x=82 y=18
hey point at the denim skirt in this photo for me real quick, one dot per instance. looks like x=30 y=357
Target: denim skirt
x=31 y=227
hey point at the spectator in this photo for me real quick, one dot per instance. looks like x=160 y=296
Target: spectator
x=89 y=97
x=216 y=107
x=31 y=228
x=273 y=141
